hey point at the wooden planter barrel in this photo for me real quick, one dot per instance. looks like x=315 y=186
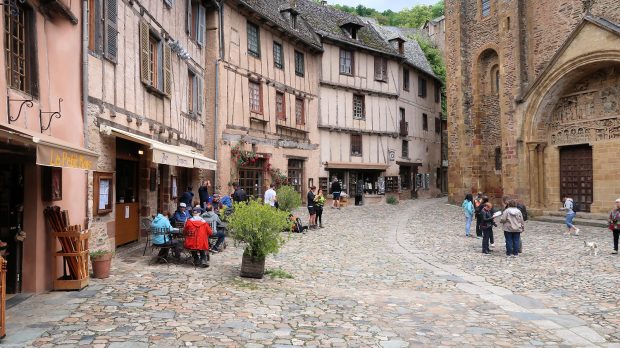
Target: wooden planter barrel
x=251 y=268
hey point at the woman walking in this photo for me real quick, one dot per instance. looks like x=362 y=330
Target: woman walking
x=513 y=225
x=468 y=210
x=570 y=215
x=319 y=202
x=614 y=225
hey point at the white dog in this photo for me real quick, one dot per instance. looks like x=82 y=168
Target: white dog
x=592 y=246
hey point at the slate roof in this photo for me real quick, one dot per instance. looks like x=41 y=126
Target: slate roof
x=270 y=10
x=413 y=53
x=327 y=22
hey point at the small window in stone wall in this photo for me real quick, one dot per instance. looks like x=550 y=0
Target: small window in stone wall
x=485 y=7
x=498 y=158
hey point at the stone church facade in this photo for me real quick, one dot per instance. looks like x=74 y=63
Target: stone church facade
x=534 y=101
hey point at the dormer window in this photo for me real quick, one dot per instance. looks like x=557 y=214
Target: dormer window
x=351 y=29
x=290 y=15
x=399 y=44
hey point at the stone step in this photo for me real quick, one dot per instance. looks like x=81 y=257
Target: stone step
x=577 y=221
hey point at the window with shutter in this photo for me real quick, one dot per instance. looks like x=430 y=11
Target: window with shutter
x=200 y=95
x=167 y=69
x=95 y=26
x=188 y=16
x=19 y=45
x=437 y=125
x=406 y=79
x=191 y=92
x=201 y=25
x=381 y=69
x=110 y=39
x=425 y=122
x=145 y=66
x=169 y=3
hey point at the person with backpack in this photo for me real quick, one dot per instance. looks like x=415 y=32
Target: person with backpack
x=468 y=210
x=614 y=225
x=513 y=225
x=569 y=207
x=477 y=207
x=239 y=195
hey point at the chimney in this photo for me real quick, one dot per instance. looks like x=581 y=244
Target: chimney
x=324 y=2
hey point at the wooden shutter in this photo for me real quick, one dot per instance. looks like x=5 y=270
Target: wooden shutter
x=200 y=34
x=98 y=25
x=167 y=64
x=145 y=66
x=188 y=16
x=110 y=22
x=200 y=94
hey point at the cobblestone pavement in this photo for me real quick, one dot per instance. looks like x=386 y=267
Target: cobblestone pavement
x=378 y=276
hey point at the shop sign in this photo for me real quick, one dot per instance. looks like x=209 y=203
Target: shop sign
x=172 y=159
x=202 y=164
x=57 y=157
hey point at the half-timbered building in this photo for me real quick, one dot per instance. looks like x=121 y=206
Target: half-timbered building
x=146 y=110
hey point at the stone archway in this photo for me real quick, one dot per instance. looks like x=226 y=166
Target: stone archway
x=573 y=108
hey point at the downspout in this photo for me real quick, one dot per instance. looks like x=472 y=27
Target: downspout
x=85 y=40
x=220 y=7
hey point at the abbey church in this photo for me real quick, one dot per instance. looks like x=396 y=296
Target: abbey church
x=535 y=97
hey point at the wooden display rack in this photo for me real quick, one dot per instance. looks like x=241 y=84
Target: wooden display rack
x=75 y=264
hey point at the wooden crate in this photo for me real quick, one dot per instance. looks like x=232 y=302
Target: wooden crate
x=74 y=275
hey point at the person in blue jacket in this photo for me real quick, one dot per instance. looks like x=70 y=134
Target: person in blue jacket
x=181 y=215
x=468 y=210
x=163 y=240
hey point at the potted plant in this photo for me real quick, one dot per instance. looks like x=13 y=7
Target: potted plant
x=288 y=198
x=101 y=261
x=259 y=227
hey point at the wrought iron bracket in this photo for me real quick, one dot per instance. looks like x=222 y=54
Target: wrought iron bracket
x=52 y=115
x=27 y=102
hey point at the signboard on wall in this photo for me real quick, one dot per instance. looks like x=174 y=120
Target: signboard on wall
x=392 y=155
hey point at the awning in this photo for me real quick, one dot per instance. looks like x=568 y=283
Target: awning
x=165 y=153
x=51 y=151
x=350 y=165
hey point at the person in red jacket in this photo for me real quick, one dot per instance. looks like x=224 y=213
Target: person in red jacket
x=614 y=225
x=197 y=232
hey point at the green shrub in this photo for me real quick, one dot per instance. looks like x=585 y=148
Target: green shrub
x=288 y=198
x=391 y=200
x=260 y=227
x=278 y=273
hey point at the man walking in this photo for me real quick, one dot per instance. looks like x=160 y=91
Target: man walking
x=336 y=191
x=239 y=195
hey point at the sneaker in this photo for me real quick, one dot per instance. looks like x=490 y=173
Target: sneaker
x=577 y=231
x=321 y=226
x=213 y=251
x=492 y=245
x=615 y=252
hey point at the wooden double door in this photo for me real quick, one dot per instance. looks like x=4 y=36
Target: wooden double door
x=576 y=175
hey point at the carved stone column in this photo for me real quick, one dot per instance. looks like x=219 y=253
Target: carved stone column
x=533 y=173
x=541 y=174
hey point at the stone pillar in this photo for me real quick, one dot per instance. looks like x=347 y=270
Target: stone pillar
x=541 y=174
x=533 y=173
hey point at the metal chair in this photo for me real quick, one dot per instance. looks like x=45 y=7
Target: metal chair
x=145 y=224
x=160 y=232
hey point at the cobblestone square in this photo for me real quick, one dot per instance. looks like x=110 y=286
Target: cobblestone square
x=376 y=276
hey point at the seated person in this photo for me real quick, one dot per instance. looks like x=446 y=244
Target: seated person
x=181 y=215
x=164 y=240
x=226 y=201
x=209 y=216
x=197 y=233
x=297 y=226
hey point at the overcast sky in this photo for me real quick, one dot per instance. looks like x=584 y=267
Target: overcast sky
x=382 y=5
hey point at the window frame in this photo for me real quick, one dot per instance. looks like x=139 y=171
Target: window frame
x=362 y=114
x=437 y=125
x=425 y=122
x=437 y=92
x=421 y=87
x=405 y=149
x=260 y=96
x=485 y=8
x=300 y=69
x=406 y=79
x=344 y=59
x=197 y=28
x=278 y=59
x=356 y=142
x=255 y=53
x=281 y=115
x=29 y=77
x=156 y=63
x=300 y=121
x=97 y=178
x=381 y=67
